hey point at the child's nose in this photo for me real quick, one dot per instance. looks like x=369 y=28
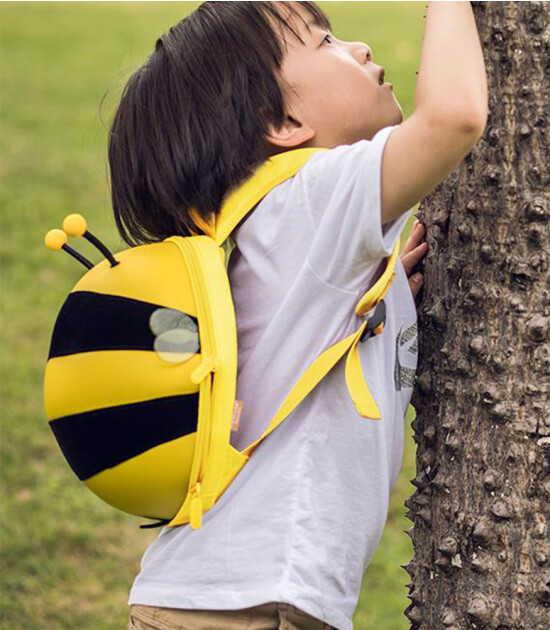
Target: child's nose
x=362 y=52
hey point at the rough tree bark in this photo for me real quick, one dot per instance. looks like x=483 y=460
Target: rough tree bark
x=481 y=509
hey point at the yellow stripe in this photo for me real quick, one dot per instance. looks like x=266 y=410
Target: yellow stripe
x=152 y=484
x=152 y=273
x=93 y=380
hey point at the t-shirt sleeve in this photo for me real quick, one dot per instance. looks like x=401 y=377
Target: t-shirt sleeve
x=343 y=190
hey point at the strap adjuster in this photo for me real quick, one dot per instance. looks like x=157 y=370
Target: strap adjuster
x=378 y=318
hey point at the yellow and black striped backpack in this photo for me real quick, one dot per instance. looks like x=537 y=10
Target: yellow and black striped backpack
x=140 y=381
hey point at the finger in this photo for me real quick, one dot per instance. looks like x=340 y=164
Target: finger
x=410 y=260
x=409 y=245
x=415 y=282
x=418 y=232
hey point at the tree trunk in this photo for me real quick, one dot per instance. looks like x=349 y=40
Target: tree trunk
x=481 y=509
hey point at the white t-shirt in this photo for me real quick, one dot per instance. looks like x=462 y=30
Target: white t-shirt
x=304 y=516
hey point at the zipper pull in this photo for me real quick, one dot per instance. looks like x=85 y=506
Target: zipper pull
x=195 y=507
x=207 y=365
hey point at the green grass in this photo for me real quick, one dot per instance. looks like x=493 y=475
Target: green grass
x=68 y=560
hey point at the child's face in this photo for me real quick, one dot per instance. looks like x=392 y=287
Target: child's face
x=339 y=99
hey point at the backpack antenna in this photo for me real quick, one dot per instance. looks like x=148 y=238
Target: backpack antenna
x=75 y=225
x=57 y=239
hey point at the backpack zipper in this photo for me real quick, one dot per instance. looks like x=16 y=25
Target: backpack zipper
x=206 y=367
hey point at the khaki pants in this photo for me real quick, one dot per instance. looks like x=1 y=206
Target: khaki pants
x=271 y=616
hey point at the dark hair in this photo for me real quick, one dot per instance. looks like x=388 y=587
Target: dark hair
x=191 y=121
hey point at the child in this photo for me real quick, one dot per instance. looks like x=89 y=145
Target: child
x=287 y=543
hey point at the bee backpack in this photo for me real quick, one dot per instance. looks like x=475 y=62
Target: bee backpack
x=140 y=381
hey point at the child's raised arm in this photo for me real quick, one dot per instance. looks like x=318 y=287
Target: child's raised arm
x=451 y=106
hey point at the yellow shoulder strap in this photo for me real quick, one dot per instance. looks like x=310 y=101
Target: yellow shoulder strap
x=242 y=199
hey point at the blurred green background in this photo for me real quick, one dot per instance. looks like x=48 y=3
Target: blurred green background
x=68 y=559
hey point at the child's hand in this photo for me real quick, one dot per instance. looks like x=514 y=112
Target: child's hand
x=412 y=254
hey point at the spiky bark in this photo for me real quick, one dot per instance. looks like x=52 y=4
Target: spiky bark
x=481 y=511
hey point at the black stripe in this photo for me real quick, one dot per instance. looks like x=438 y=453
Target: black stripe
x=100 y=439
x=91 y=321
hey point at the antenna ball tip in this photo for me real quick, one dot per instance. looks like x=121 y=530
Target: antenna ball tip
x=55 y=239
x=74 y=225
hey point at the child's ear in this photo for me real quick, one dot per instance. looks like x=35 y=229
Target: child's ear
x=290 y=134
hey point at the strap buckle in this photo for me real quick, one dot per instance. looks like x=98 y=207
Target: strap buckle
x=377 y=318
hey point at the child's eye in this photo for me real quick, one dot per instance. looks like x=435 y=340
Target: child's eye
x=326 y=38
